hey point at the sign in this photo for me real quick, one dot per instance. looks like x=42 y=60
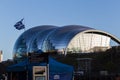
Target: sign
x=39 y=77
x=39 y=73
x=56 y=77
x=37 y=57
x=40 y=70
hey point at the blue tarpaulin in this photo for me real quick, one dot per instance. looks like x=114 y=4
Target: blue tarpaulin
x=65 y=72
x=21 y=66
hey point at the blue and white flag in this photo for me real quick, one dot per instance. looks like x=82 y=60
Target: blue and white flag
x=19 y=25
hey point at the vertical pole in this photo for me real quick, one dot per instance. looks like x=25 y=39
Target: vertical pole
x=24 y=24
x=11 y=76
x=83 y=42
x=27 y=75
x=47 y=66
x=47 y=71
x=101 y=41
x=27 y=68
x=91 y=44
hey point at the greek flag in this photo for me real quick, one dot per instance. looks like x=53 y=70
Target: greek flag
x=19 y=25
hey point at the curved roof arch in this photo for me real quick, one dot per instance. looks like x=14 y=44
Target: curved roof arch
x=27 y=37
x=62 y=35
x=103 y=33
x=95 y=32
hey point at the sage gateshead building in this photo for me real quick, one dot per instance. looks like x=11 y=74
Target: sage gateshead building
x=63 y=40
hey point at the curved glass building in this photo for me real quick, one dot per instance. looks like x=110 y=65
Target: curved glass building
x=63 y=40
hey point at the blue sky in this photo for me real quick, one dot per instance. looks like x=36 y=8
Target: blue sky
x=99 y=14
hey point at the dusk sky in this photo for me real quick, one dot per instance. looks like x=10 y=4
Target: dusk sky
x=99 y=14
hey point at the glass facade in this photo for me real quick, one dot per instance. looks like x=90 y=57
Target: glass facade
x=88 y=42
x=66 y=39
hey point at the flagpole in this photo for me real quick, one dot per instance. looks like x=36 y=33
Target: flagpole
x=19 y=26
x=27 y=53
x=47 y=71
x=47 y=66
x=24 y=28
x=24 y=24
